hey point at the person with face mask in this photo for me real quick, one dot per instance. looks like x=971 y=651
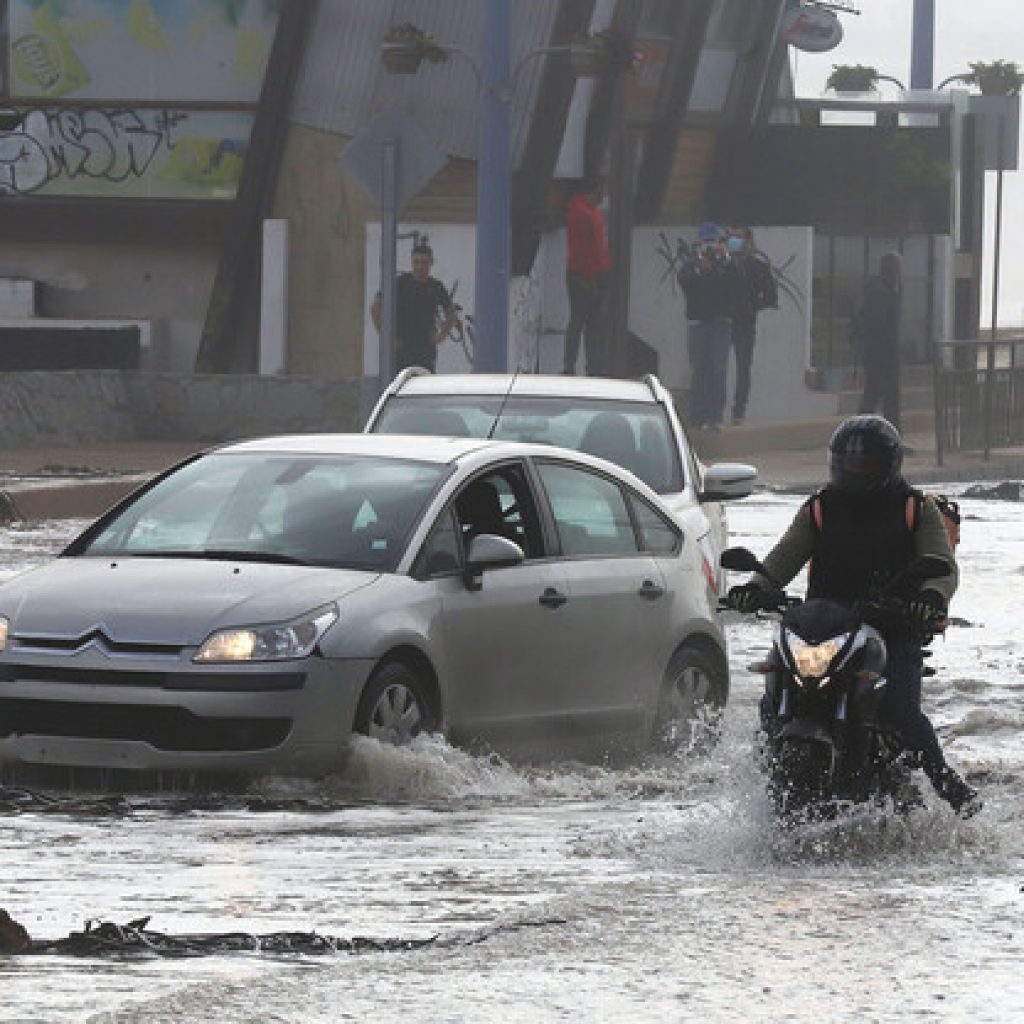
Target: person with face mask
x=755 y=290
x=708 y=281
x=864 y=528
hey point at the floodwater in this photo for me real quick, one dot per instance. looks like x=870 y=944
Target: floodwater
x=659 y=891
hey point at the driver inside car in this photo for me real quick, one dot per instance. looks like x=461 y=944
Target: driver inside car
x=866 y=526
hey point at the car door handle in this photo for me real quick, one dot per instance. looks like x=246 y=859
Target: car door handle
x=650 y=591
x=552 y=598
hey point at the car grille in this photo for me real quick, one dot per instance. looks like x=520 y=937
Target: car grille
x=68 y=645
x=205 y=682
x=165 y=728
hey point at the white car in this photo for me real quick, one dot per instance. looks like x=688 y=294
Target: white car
x=632 y=423
x=250 y=609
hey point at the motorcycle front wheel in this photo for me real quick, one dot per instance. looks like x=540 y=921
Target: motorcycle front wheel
x=801 y=778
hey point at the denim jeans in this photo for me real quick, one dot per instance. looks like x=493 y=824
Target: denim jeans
x=902 y=702
x=586 y=309
x=709 y=342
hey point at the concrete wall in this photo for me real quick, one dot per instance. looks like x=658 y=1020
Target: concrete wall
x=90 y=406
x=327 y=214
x=170 y=287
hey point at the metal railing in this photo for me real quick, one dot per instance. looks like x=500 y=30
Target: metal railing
x=979 y=395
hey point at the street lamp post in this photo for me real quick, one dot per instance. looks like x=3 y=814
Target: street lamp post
x=494 y=187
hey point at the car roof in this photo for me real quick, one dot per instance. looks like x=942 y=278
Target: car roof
x=422 y=448
x=537 y=385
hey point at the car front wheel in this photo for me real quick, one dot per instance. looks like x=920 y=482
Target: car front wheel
x=395 y=707
x=691 y=701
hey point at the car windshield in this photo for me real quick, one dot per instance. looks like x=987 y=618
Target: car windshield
x=338 y=511
x=634 y=435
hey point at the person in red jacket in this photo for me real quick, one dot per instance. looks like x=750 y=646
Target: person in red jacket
x=586 y=274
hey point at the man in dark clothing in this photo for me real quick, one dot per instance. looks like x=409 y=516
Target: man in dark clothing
x=419 y=298
x=876 y=335
x=587 y=266
x=708 y=280
x=857 y=536
x=755 y=290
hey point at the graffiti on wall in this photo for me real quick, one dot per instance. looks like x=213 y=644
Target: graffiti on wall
x=124 y=152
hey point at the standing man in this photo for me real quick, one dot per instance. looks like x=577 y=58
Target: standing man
x=587 y=266
x=708 y=280
x=755 y=290
x=419 y=298
x=876 y=336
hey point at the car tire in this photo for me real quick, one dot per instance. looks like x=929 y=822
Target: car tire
x=395 y=707
x=692 y=696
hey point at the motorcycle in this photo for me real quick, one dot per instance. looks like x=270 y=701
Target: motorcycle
x=824 y=741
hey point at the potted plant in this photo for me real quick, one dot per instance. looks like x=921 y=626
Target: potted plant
x=599 y=53
x=852 y=78
x=405 y=47
x=996 y=78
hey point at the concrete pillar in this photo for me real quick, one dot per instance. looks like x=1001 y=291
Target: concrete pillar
x=274 y=299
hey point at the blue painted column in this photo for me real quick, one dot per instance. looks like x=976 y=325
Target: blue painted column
x=493 y=193
x=922 y=51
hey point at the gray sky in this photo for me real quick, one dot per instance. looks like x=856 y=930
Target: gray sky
x=965 y=30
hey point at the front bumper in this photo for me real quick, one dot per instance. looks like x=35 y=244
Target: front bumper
x=164 y=714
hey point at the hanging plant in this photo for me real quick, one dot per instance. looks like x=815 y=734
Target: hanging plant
x=405 y=47
x=996 y=78
x=600 y=53
x=852 y=78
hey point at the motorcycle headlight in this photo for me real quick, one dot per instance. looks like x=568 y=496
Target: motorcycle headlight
x=4 y=625
x=278 y=642
x=812 y=660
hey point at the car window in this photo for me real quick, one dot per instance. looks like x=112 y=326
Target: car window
x=635 y=435
x=500 y=502
x=442 y=553
x=657 y=533
x=589 y=510
x=344 y=511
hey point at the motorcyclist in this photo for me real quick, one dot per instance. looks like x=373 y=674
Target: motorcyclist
x=857 y=534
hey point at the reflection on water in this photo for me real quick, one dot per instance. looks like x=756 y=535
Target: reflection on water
x=665 y=889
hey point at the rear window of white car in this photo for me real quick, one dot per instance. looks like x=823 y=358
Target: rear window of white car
x=634 y=435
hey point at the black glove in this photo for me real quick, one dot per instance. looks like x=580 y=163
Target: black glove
x=927 y=612
x=747 y=598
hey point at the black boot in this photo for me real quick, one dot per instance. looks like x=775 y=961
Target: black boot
x=962 y=798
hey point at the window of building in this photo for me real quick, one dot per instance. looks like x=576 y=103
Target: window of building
x=131 y=100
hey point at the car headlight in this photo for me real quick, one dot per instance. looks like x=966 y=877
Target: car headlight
x=812 y=660
x=4 y=624
x=279 y=642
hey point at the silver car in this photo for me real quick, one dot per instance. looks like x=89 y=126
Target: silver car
x=632 y=423
x=250 y=609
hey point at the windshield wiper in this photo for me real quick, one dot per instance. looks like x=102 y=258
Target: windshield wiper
x=227 y=554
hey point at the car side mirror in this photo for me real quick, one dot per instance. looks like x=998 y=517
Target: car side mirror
x=489 y=551
x=728 y=481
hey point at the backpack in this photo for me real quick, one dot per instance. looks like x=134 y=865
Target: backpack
x=948 y=509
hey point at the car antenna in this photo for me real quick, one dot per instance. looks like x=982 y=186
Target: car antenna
x=501 y=408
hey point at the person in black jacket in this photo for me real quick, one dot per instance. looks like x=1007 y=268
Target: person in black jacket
x=876 y=336
x=856 y=534
x=708 y=280
x=755 y=290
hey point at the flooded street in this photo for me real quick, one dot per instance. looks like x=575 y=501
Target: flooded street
x=658 y=891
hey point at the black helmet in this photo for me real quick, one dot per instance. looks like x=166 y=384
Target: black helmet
x=865 y=454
